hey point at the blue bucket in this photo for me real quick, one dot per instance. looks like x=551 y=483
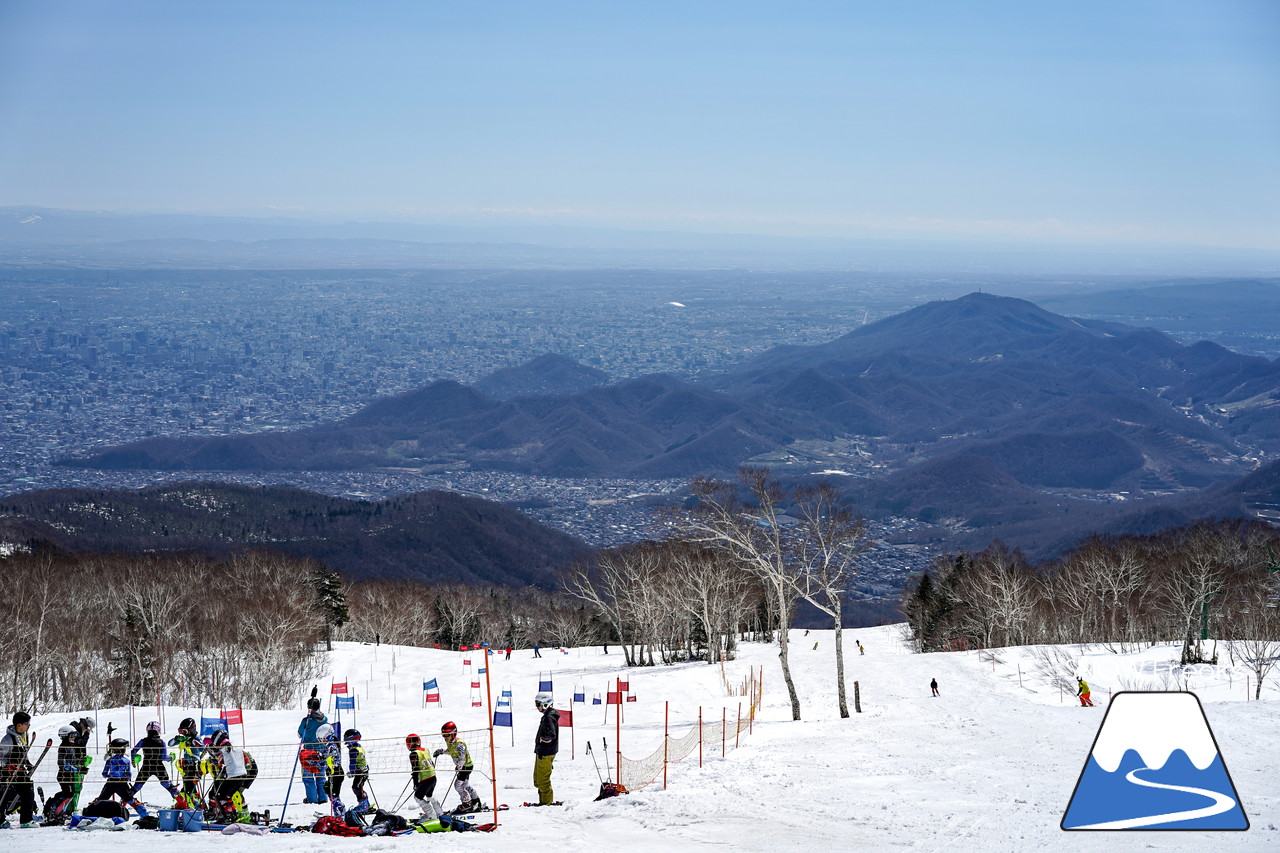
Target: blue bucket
x=168 y=820
x=190 y=820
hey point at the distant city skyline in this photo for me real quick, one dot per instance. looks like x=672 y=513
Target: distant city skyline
x=1143 y=122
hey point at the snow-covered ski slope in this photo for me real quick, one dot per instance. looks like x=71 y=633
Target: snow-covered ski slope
x=989 y=765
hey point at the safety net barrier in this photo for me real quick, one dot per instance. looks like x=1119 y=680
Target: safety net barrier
x=707 y=738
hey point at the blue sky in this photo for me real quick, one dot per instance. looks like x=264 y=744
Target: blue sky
x=1085 y=122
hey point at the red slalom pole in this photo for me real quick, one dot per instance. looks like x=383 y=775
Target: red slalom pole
x=617 y=739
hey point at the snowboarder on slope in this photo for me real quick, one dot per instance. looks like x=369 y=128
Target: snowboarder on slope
x=1083 y=692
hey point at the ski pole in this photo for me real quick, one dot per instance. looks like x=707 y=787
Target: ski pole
x=402 y=799
x=292 y=773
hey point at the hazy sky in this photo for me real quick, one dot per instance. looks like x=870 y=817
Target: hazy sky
x=1152 y=121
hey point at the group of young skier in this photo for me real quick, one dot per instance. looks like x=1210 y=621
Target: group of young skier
x=230 y=770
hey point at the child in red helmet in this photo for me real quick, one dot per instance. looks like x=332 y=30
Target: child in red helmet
x=422 y=775
x=463 y=764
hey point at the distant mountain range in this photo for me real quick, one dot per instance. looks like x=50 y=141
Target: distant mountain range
x=985 y=410
x=425 y=536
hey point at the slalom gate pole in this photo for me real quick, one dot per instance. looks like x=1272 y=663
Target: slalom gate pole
x=724 y=726
x=737 y=726
x=297 y=756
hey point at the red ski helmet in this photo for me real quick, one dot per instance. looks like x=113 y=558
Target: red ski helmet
x=449 y=729
x=413 y=741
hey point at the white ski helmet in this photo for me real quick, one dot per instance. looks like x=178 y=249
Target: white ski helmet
x=66 y=731
x=324 y=732
x=543 y=700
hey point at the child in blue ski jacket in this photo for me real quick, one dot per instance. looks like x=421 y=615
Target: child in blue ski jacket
x=118 y=772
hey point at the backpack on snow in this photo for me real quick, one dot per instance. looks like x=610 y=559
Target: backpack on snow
x=394 y=822
x=610 y=789
x=106 y=808
x=55 y=809
x=330 y=825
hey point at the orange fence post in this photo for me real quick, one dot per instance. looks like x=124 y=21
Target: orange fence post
x=737 y=726
x=617 y=719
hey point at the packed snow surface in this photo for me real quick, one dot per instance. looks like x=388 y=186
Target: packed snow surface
x=988 y=765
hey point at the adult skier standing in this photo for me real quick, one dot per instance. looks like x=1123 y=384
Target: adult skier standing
x=15 y=769
x=313 y=781
x=545 y=746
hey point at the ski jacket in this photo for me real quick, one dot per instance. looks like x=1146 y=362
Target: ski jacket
x=358 y=761
x=420 y=765
x=13 y=754
x=1084 y=687
x=117 y=769
x=547 y=741
x=71 y=764
x=307 y=728
x=154 y=752
x=457 y=750
x=187 y=748
x=232 y=760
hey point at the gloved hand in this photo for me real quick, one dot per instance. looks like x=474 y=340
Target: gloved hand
x=137 y=759
x=437 y=753
x=88 y=759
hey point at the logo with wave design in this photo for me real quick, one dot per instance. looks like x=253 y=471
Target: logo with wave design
x=1155 y=765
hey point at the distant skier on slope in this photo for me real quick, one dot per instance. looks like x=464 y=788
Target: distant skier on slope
x=933 y=685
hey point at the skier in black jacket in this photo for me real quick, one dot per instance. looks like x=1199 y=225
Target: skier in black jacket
x=545 y=747
x=153 y=754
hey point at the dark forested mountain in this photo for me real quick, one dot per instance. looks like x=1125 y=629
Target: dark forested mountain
x=965 y=408
x=427 y=536
x=546 y=375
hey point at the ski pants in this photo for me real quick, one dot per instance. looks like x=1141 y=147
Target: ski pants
x=21 y=794
x=358 y=781
x=122 y=790
x=424 y=794
x=314 y=786
x=333 y=785
x=223 y=790
x=542 y=779
x=1085 y=701
x=146 y=771
x=466 y=793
